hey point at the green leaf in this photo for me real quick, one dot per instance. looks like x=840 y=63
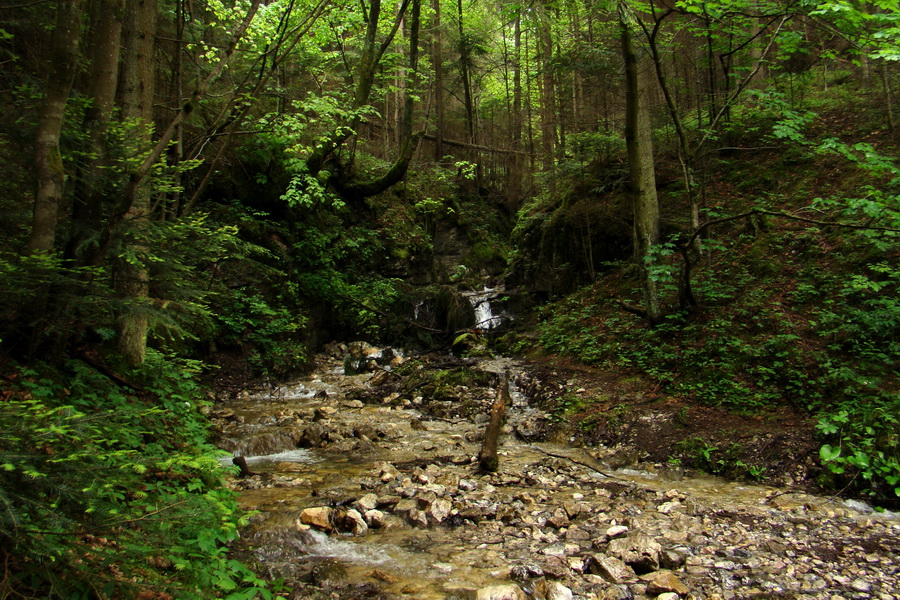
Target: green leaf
x=828 y=454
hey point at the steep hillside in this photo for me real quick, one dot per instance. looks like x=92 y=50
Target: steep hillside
x=795 y=327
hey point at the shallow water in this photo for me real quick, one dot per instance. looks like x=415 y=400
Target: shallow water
x=427 y=563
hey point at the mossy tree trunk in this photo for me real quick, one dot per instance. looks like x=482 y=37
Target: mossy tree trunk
x=136 y=99
x=48 y=161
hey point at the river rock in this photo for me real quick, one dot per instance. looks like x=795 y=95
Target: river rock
x=374 y=518
x=322 y=413
x=640 y=552
x=671 y=559
x=526 y=572
x=550 y=590
x=467 y=485
x=508 y=591
x=572 y=508
x=351 y=521
x=439 y=510
x=320 y=517
x=366 y=503
x=386 y=471
x=616 y=531
x=668 y=507
x=362 y=350
x=417 y=518
x=405 y=505
x=365 y=431
x=335 y=349
x=610 y=568
x=313 y=436
x=558 y=519
x=616 y=592
x=662 y=582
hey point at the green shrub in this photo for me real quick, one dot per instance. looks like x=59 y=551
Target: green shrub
x=109 y=490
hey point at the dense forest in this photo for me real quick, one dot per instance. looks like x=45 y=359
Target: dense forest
x=701 y=194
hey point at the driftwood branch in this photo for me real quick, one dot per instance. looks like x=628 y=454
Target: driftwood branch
x=488 y=459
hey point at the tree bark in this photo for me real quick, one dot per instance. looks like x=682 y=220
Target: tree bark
x=488 y=459
x=437 y=53
x=107 y=16
x=364 y=79
x=641 y=170
x=48 y=160
x=517 y=176
x=547 y=89
x=465 y=65
x=130 y=272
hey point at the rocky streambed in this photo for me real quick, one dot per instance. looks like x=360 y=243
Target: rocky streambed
x=367 y=488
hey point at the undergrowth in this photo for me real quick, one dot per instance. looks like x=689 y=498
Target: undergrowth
x=112 y=490
x=791 y=313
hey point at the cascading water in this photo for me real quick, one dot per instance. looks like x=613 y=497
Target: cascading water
x=484 y=314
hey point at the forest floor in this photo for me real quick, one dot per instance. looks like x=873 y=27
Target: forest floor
x=636 y=423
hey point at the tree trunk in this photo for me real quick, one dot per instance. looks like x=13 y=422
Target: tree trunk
x=437 y=53
x=641 y=170
x=548 y=96
x=48 y=161
x=103 y=77
x=136 y=99
x=465 y=64
x=408 y=140
x=364 y=79
x=517 y=171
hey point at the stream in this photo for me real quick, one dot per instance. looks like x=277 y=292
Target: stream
x=362 y=492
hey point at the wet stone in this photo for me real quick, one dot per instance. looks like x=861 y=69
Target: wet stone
x=550 y=590
x=616 y=531
x=319 y=517
x=610 y=568
x=640 y=552
x=662 y=582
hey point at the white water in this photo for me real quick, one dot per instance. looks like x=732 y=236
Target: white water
x=484 y=314
x=322 y=545
x=300 y=455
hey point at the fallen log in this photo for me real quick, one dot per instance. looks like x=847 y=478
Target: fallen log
x=488 y=459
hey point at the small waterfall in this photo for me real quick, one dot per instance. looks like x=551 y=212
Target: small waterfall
x=484 y=314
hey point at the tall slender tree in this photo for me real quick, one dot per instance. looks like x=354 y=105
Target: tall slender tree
x=642 y=178
x=49 y=170
x=136 y=92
